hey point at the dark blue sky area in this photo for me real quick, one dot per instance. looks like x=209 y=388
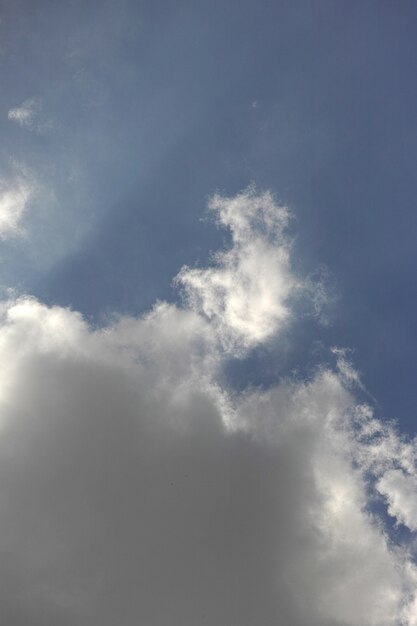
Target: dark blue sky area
x=153 y=106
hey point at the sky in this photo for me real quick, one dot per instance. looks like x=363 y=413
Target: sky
x=207 y=314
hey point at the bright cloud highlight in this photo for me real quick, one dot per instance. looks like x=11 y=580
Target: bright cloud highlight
x=400 y=490
x=245 y=295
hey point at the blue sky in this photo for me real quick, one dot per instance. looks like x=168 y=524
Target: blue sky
x=119 y=122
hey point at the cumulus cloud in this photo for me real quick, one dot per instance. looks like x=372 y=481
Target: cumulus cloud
x=135 y=489
x=15 y=194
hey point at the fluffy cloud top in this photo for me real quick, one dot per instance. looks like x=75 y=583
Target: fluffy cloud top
x=134 y=489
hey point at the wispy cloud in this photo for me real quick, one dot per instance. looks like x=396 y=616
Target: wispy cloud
x=135 y=487
x=25 y=113
x=15 y=195
x=27 y=116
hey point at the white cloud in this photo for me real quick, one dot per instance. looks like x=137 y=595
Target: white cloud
x=246 y=293
x=15 y=194
x=400 y=489
x=134 y=489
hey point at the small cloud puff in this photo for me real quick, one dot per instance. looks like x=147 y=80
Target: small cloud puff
x=26 y=115
x=246 y=293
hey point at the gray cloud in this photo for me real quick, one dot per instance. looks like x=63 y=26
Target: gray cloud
x=134 y=489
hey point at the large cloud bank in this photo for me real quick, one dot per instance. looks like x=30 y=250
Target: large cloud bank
x=135 y=489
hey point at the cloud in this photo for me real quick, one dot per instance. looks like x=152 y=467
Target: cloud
x=400 y=490
x=245 y=295
x=26 y=115
x=135 y=489
x=15 y=194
